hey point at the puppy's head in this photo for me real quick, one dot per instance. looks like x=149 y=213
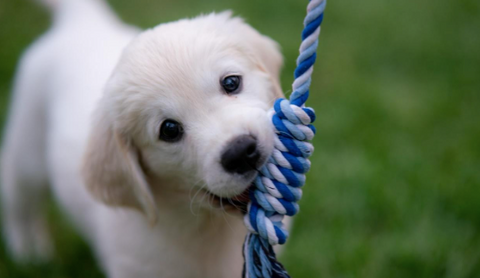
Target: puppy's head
x=186 y=108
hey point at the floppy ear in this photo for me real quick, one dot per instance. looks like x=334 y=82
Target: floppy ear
x=272 y=59
x=267 y=55
x=112 y=171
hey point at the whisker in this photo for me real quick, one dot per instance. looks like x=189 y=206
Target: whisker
x=193 y=199
x=225 y=214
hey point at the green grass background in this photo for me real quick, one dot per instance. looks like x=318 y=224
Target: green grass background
x=394 y=190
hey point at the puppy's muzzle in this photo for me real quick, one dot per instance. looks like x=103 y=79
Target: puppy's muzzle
x=241 y=155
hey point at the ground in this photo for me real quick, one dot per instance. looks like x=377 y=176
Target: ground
x=394 y=189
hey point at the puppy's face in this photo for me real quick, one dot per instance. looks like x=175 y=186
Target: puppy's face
x=188 y=104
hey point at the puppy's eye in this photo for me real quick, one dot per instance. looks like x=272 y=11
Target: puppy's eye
x=231 y=84
x=171 y=131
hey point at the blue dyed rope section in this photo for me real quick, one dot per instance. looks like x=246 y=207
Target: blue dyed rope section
x=278 y=186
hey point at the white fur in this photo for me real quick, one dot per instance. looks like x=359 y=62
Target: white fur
x=85 y=116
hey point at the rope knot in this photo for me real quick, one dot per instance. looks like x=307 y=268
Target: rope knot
x=278 y=185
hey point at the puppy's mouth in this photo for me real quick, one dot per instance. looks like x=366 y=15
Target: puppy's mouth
x=236 y=203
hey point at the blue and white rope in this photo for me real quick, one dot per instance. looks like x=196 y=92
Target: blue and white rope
x=278 y=186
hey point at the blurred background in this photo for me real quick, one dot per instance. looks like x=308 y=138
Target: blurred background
x=394 y=189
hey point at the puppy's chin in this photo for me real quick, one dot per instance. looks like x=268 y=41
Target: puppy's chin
x=229 y=185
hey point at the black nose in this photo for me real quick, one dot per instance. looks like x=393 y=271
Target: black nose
x=241 y=155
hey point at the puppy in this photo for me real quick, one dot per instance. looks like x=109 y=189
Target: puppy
x=149 y=141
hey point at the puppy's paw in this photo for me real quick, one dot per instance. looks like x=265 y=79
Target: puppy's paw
x=28 y=242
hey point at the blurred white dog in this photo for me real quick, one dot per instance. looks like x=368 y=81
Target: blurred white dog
x=149 y=140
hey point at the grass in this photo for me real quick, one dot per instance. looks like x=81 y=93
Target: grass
x=394 y=190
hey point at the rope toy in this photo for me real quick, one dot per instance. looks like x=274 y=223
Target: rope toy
x=278 y=186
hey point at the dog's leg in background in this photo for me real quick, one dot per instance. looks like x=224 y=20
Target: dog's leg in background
x=24 y=179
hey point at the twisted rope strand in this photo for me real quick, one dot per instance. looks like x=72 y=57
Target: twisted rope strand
x=278 y=185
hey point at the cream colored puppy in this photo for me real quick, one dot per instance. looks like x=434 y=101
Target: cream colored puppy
x=149 y=140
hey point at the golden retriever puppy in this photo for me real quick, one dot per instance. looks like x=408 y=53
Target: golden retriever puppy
x=148 y=140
